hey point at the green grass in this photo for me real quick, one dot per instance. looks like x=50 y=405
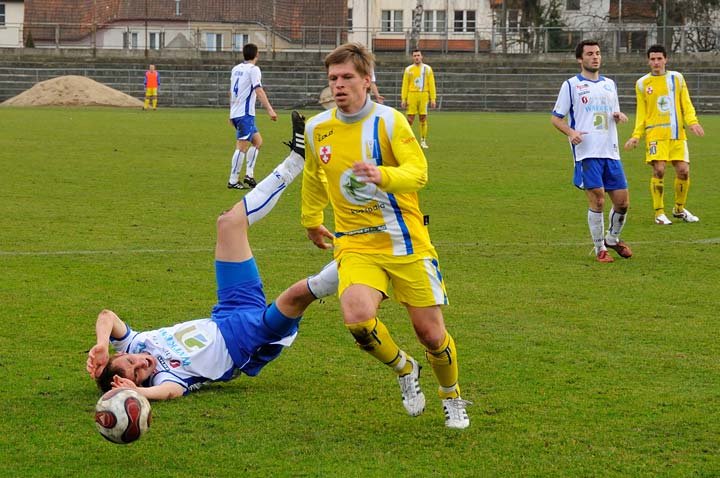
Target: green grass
x=575 y=368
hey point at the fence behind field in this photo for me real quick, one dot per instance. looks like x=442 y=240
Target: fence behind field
x=288 y=87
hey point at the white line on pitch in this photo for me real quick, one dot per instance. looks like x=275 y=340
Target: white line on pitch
x=711 y=240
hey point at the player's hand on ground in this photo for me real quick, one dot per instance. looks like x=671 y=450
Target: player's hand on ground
x=367 y=172
x=620 y=117
x=120 y=382
x=630 y=144
x=98 y=357
x=697 y=129
x=576 y=136
x=318 y=236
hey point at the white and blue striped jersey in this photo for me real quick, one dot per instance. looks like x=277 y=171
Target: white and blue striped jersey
x=244 y=80
x=189 y=353
x=590 y=105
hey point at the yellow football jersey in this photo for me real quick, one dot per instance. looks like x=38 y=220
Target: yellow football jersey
x=663 y=107
x=382 y=219
x=418 y=78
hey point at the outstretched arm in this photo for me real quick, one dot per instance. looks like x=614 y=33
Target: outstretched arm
x=164 y=391
x=108 y=325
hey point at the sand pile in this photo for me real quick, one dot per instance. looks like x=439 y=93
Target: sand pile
x=72 y=91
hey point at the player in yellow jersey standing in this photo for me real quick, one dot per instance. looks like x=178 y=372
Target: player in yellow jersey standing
x=363 y=159
x=664 y=109
x=418 y=88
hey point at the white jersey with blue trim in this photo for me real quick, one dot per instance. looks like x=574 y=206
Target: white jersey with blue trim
x=590 y=105
x=188 y=353
x=244 y=80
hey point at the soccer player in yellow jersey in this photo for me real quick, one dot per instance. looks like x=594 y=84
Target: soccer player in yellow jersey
x=664 y=109
x=418 y=87
x=363 y=159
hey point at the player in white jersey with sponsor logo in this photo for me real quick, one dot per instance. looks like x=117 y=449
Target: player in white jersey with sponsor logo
x=242 y=334
x=245 y=88
x=586 y=111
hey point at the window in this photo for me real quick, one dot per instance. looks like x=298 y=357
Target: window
x=350 y=20
x=513 y=20
x=464 y=21
x=392 y=20
x=130 y=40
x=213 y=41
x=434 y=20
x=156 y=40
x=239 y=41
x=633 y=41
x=572 y=5
x=2 y=14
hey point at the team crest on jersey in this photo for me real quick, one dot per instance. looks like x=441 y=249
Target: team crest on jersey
x=325 y=154
x=585 y=99
x=175 y=363
x=649 y=90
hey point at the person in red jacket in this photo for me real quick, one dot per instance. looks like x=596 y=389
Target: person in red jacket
x=152 y=83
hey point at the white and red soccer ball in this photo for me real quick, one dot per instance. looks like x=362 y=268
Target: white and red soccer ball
x=122 y=415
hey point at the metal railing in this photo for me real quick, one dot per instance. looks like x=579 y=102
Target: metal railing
x=457 y=91
x=159 y=38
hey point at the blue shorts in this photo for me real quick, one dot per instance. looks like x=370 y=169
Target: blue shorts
x=247 y=324
x=594 y=173
x=245 y=127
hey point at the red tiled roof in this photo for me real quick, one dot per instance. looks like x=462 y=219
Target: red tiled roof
x=288 y=16
x=633 y=10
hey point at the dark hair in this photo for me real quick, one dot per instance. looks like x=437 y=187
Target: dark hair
x=581 y=47
x=417 y=50
x=104 y=381
x=657 y=49
x=250 y=51
x=362 y=59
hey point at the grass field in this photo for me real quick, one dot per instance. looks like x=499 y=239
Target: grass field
x=575 y=368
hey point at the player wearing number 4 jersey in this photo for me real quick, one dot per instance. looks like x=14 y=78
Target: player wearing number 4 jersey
x=245 y=88
x=586 y=111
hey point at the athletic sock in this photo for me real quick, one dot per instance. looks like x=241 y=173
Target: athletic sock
x=147 y=103
x=325 y=282
x=373 y=337
x=444 y=365
x=596 y=224
x=424 y=129
x=657 y=191
x=617 y=222
x=235 y=164
x=154 y=104
x=681 y=192
x=265 y=195
x=251 y=155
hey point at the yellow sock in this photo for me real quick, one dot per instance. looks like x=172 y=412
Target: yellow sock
x=681 y=192
x=154 y=103
x=374 y=338
x=657 y=190
x=424 y=129
x=444 y=365
x=147 y=103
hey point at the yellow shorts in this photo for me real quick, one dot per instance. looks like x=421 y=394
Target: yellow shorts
x=666 y=150
x=415 y=279
x=417 y=103
x=150 y=92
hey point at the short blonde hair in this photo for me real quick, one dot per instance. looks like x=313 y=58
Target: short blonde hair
x=361 y=58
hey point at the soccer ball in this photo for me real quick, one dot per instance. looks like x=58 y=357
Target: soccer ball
x=122 y=415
